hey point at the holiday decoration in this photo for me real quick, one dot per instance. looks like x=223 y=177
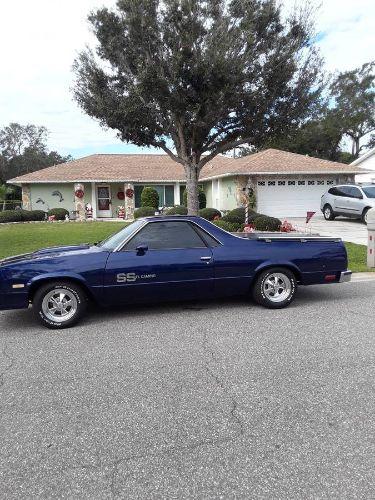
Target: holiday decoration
x=121 y=212
x=88 y=210
x=121 y=195
x=129 y=193
x=79 y=193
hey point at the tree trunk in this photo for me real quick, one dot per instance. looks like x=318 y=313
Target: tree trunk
x=192 y=176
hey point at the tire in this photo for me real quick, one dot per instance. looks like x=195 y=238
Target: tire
x=364 y=216
x=328 y=212
x=266 y=294
x=47 y=308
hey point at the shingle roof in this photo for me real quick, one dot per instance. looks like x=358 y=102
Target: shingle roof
x=161 y=168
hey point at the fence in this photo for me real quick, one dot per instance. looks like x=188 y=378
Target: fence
x=9 y=204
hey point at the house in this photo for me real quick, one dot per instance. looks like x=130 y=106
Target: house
x=366 y=161
x=285 y=184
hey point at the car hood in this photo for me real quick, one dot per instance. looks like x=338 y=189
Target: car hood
x=49 y=252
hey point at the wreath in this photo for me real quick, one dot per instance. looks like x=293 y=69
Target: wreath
x=129 y=193
x=79 y=193
x=120 y=195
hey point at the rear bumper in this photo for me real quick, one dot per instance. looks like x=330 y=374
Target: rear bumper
x=345 y=276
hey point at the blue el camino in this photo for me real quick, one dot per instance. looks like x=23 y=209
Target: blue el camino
x=167 y=258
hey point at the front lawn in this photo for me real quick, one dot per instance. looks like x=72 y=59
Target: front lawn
x=21 y=238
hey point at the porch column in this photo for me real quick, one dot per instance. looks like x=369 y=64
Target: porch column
x=26 y=197
x=93 y=200
x=177 y=199
x=129 y=201
x=79 y=202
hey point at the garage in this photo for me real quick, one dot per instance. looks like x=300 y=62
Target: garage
x=291 y=197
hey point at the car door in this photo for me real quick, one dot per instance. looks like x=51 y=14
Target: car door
x=342 y=200
x=356 y=201
x=164 y=260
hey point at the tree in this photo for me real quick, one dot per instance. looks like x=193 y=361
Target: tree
x=149 y=197
x=24 y=149
x=198 y=77
x=354 y=93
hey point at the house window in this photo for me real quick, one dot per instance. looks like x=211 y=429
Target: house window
x=320 y=183
x=291 y=183
x=261 y=183
x=281 y=183
x=329 y=183
x=271 y=183
x=301 y=183
x=166 y=195
x=311 y=183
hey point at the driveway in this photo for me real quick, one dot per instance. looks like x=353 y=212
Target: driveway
x=347 y=229
x=208 y=400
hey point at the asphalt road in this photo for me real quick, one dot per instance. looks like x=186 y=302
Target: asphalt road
x=209 y=400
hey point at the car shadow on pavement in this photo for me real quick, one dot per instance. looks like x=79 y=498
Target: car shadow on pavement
x=22 y=323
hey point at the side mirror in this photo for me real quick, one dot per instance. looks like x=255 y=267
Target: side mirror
x=141 y=249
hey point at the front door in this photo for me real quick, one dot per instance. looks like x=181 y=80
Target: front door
x=165 y=260
x=104 y=201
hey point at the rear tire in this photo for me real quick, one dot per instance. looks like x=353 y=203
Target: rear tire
x=328 y=212
x=59 y=304
x=275 y=288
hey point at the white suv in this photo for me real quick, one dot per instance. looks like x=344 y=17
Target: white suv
x=349 y=200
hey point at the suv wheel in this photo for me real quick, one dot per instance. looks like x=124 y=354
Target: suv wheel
x=275 y=288
x=59 y=304
x=364 y=215
x=328 y=212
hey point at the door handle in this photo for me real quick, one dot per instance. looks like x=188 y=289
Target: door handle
x=206 y=259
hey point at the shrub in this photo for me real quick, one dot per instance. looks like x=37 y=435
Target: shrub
x=265 y=223
x=201 y=198
x=144 y=212
x=227 y=226
x=21 y=215
x=11 y=216
x=149 y=198
x=209 y=213
x=238 y=215
x=33 y=215
x=59 y=213
x=177 y=210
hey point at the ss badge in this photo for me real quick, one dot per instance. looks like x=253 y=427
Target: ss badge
x=126 y=277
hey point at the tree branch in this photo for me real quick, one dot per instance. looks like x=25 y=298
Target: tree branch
x=222 y=149
x=168 y=151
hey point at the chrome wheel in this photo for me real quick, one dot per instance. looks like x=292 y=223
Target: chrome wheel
x=59 y=305
x=327 y=213
x=277 y=287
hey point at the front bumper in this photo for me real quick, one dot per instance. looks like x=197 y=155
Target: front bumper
x=345 y=276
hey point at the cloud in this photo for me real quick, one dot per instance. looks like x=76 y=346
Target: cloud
x=40 y=40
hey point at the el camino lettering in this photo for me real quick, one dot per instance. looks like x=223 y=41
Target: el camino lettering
x=131 y=277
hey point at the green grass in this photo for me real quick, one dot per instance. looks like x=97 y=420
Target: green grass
x=357 y=256
x=21 y=238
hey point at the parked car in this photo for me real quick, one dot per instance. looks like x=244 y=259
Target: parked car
x=350 y=200
x=167 y=258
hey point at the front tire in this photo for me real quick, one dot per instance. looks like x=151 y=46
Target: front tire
x=364 y=215
x=59 y=304
x=275 y=288
x=328 y=212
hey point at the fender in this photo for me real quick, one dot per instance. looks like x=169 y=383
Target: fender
x=278 y=263
x=94 y=291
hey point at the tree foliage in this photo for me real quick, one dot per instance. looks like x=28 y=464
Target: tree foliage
x=149 y=197
x=198 y=77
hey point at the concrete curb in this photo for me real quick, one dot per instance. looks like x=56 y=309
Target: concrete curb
x=358 y=277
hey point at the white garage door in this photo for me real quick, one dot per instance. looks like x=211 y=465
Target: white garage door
x=290 y=198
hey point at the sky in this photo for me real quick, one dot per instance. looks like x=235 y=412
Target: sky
x=41 y=38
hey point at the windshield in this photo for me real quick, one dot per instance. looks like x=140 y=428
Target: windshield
x=369 y=191
x=116 y=239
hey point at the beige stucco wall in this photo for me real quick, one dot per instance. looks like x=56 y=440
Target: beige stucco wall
x=43 y=193
x=207 y=188
x=228 y=199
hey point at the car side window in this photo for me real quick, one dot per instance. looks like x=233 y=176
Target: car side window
x=345 y=191
x=210 y=240
x=355 y=193
x=165 y=235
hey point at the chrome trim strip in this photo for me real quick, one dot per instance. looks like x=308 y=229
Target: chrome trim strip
x=345 y=276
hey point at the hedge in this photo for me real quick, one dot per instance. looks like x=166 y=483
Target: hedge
x=201 y=198
x=59 y=213
x=149 y=198
x=265 y=223
x=144 y=212
x=227 y=226
x=238 y=215
x=21 y=215
x=209 y=213
x=177 y=210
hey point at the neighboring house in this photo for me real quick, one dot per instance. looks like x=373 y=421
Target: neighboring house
x=285 y=184
x=366 y=161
